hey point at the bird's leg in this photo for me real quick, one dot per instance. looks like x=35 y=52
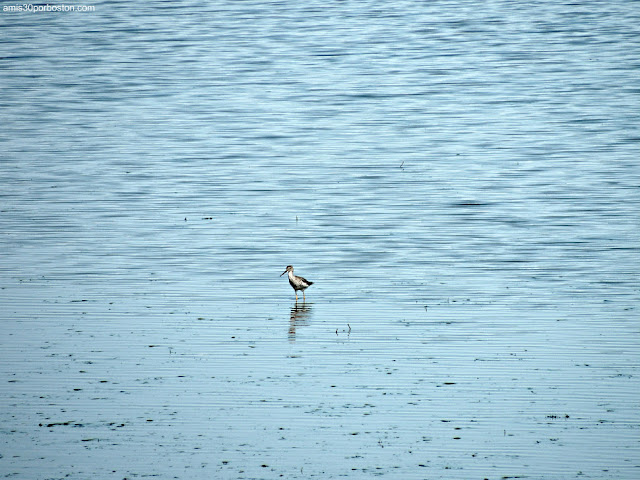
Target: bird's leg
x=303 y=297
x=296 y=295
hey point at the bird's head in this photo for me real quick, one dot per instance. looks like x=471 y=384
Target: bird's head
x=289 y=269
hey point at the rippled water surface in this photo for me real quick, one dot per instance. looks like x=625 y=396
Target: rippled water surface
x=460 y=180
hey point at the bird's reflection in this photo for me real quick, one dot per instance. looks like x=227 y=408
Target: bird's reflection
x=300 y=314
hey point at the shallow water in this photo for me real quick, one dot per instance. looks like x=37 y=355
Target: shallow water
x=460 y=183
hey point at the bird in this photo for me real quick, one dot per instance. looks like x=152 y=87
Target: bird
x=298 y=283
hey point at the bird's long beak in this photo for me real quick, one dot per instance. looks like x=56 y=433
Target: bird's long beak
x=283 y=273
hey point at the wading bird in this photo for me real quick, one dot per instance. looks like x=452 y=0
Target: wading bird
x=298 y=283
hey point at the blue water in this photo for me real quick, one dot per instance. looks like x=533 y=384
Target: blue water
x=460 y=181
